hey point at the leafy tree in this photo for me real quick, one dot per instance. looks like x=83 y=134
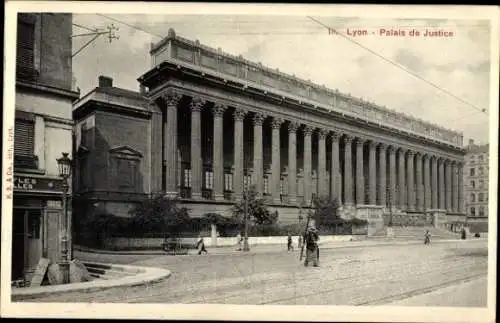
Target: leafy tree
x=326 y=211
x=160 y=214
x=257 y=210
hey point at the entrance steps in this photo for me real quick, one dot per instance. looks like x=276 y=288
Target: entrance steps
x=107 y=271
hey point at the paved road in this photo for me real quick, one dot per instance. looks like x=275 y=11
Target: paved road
x=347 y=276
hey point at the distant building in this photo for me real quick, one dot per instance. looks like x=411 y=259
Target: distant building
x=43 y=131
x=476 y=179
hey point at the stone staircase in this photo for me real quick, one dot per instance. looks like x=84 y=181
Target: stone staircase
x=416 y=233
x=108 y=271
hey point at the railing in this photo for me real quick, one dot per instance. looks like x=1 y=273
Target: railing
x=184 y=50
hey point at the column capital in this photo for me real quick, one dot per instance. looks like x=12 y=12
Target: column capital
x=348 y=139
x=322 y=133
x=372 y=144
x=391 y=149
x=308 y=130
x=411 y=153
x=360 y=141
x=218 y=110
x=293 y=126
x=383 y=145
x=335 y=135
x=258 y=119
x=401 y=150
x=197 y=104
x=239 y=114
x=172 y=97
x=276 y=123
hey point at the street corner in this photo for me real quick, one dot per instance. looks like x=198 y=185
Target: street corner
x=116 y=276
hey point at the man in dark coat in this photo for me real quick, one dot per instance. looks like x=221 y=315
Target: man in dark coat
x=311 y=238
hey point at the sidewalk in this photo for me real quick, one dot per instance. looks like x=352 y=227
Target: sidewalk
x=271 y=248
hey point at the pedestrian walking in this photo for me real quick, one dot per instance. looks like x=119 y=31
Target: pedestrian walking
x=311 y=238
x=427 y=237
x=201 y=246
x=240 y=241
x=290 y=242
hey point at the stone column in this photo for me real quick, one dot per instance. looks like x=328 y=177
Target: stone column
x=427 y=183
x=336 y=183
x=460 y=188
x=382 y=175
x=435 y=181
x=410 y=185
x=360 y=180
x=156 y=147
x=239 y=116
x=172 y=100
x=196 y=161
x=292 y=162
x=402 y=174
x=454 y=186
x=372 y=173
x=218 y=163
x=392 y=176
x=348 y=170
x=419 y=185
x=276 y=163
x=442 y=197
x=322 y=182
x=258 y=165
x=448 y=184
x=307 y=164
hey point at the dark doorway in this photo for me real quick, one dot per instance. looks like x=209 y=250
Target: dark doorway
x=18 y=243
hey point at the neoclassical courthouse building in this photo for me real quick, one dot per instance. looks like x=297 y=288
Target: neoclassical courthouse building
x=207 y=124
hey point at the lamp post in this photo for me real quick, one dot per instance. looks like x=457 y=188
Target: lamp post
x=64 y=164
x=246 y=247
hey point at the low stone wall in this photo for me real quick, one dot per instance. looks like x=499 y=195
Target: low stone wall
x=155 y=243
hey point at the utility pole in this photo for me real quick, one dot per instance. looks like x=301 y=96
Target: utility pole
x=95 y=32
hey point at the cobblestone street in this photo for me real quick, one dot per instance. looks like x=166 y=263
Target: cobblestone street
x=411 y=274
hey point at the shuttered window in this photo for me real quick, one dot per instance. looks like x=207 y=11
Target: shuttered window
x=25 y=44
x=24 y=138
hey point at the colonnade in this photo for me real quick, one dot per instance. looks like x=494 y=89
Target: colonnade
x=395 y=176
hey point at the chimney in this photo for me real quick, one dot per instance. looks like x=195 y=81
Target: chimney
x=471 y=142
x=105 y=81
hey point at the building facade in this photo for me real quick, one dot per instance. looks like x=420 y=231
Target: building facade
x=43 y=131
x=217 y=123
x=476 y=179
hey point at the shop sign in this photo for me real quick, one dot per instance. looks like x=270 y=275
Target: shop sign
x=27 y=183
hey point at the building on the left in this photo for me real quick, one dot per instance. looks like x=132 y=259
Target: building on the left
x=43 y=131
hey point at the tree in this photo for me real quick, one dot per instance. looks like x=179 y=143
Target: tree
x=325 y=211
x=160 y=214
x=257 y=210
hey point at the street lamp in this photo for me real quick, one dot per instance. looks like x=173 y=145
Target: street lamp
x=246 y=247
x=64 y=164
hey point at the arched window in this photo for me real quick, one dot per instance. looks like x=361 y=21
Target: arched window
x=473 y=197
x=481 y=211
x=480 y=197
x=473 y=211
x=473 y=184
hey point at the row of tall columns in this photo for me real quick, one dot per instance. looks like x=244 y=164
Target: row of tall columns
x=415 y=181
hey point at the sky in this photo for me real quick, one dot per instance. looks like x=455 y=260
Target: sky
x=297 y=45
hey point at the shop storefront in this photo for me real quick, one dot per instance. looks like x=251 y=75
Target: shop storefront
x=37 y=222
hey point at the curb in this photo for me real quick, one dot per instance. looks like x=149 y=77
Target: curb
x=146 y=275
x=382 y=241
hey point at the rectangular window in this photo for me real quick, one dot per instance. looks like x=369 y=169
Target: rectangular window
x=209 y=180
x=24 y=137
x=126 y=170
x=473 y=211
x=472 y=172
x=187 y=177
x=25 y=44
x=228 y=182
